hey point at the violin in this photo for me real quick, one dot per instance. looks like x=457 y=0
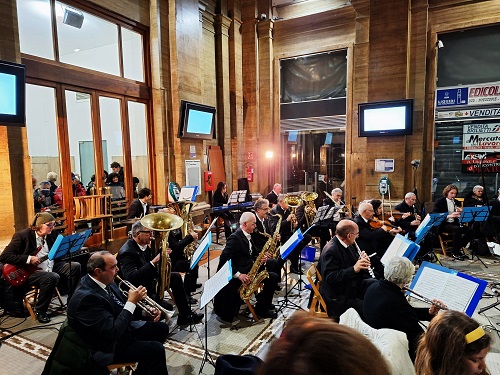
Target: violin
x=385 y=224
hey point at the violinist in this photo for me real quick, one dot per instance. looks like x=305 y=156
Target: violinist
x=405 y=214
x=461 y=234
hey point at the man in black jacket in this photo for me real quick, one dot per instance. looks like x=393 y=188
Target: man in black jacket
x=29 y=249
x=138 y=266
x=345 y=272
x=99 y=314
x=242 y=253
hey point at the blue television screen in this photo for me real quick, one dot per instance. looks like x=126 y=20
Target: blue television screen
x=328 y=140
x=292 y=136
x=12 y=93
x=196 y=121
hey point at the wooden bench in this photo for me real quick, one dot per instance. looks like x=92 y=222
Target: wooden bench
x=95 y=207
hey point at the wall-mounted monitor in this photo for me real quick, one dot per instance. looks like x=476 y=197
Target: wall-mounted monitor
x=12 y=94
x=385 y=118
x=292 y=136
x=196 y=121
x=328 y=139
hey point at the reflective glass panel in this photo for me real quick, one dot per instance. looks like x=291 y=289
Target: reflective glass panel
x=35 y=28
x=41 y=129
x=132 y=55
x=86 y=40
x=138 y=144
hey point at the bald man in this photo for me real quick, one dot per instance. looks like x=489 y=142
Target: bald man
x=242 y=252
x=345 y=272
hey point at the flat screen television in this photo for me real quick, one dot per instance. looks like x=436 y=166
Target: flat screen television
x=196 y=121
x=385 y=118
x=12 y=93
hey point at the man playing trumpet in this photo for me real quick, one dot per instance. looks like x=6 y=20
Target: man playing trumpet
x=104 y=320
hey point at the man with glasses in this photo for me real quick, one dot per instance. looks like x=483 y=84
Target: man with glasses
x=29 y=247
x=138 y=266
x=243 y=253
x=344 y=271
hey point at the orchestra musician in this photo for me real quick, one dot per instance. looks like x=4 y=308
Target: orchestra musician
x=139 y=266
x=319 y=230
x=242 y=252
x=493 y=225
x=385 y=305
x=408 y=219
x=475 y=198
x=272 y=196
x=461 y=235
x=27 y=248
x=337 y=202
x=344 y=271
x=220 y=199
x=140 y=206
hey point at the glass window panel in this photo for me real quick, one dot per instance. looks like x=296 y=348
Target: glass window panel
x=93 y=45
x=41 y=129
x=35 y=28
x=81 y=144
x=132 y=55
x=111 y=130
x=138 y=143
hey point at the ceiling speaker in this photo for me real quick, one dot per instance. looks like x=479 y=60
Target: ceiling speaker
x=73 y=18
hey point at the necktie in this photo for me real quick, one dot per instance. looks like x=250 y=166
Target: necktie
x=250 y=245
x=113 y=297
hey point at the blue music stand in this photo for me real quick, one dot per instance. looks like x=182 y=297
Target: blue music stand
x=475 y=214
x=430 y=221
x=65 y=245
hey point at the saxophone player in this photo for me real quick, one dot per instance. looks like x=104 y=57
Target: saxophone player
x=242 y=252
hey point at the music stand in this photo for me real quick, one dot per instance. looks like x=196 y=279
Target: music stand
x=204 y=246
x=66 y=245
x=233 y=198
x=430 y=221
x=477 y=214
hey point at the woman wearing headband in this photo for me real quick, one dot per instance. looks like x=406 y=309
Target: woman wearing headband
x=453 y=344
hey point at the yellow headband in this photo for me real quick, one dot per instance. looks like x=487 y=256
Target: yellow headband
x=474 y=335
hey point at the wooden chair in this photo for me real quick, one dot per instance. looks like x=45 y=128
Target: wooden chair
x=122 y=368
x=446 y=241
x=218 y=228
x=95 y=207
x=32 y=295
x=318 y=305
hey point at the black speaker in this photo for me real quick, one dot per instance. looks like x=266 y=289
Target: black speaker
x=73 y=18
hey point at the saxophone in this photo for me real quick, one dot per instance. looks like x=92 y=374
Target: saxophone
x=271 y=246
x=256 y=277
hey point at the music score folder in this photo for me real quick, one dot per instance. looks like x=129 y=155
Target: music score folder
x=402 y=247
x=457 y=290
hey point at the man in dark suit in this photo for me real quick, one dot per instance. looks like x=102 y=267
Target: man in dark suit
x=385 y=305
x=461 y=235
x=272 y=196
x=138 y=266
x=409 y=220
x=140 y=206
x=344 y=271
x=27 y=248
x=99 y=314
x=242 y=252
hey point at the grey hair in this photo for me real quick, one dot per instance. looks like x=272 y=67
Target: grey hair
x=337 y=190
x=281 y=197
x=52 y=176
x=259 y=203
x=399 y=271
x=276 y=185
x=137 y=227
x=364 y=206
x=477 y=187
x=245 y=217
x=410 y=195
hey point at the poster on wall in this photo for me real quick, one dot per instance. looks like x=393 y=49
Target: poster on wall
x=479 y=140
x=193 y=174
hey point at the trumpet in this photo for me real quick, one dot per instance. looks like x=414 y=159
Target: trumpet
x=425 y=299
x=148 y=305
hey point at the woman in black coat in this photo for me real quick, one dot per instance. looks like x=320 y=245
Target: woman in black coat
x=219 y=199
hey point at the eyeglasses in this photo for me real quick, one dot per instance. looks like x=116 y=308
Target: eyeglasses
x=50 y=225
x=146 y=231
x=356 y=234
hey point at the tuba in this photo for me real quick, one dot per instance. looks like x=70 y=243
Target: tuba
x=309 y=208
x=163 y=223
x=293 y=201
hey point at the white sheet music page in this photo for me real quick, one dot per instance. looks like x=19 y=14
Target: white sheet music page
x=455 y=291
x=397 y=247
x=422 y=225
x=200 y=250
x=216 y=283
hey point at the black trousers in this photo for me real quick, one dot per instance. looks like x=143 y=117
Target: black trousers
x=48 y=281
x=461 y=235
x=191 y=276
x=144 y=345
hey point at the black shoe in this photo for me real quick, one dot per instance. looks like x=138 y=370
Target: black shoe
x=192 y=301
x=192 y=318
x=459 y=257
x=167 y=305
x=198 y=285
x=278 y=287
x=297 y=271
x=268 y=314
x=42 y=317
x=272 y=307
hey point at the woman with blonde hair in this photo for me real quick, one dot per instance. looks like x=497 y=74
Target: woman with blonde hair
x=454 y=344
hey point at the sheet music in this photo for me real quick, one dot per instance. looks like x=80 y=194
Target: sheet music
x=455 y=291
x=397 y=247
x=216 y=283
x=233 y=198
x=188 y=193
x=322 y=214
x=292 y=242
x=202 y=247
x=422 y=225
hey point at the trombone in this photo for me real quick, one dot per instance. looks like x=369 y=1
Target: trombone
x=148 y=305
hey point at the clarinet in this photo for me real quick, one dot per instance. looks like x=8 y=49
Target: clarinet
x=370 y=269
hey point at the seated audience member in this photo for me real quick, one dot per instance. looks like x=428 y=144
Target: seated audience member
x=385 y=305
x=272 y=196
x=138 y=265
x=475 y=198
x=345 y=273
x=135 y=183
x=43 y=196
x=310 y=345
x=27 y=248
x=220 y=199
x=104 y=320
x=116 y=186
x=242 y=253
x=461 y=234
x=52 y=177
x=453 y=344
x=78 y=188
x=118 y=169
